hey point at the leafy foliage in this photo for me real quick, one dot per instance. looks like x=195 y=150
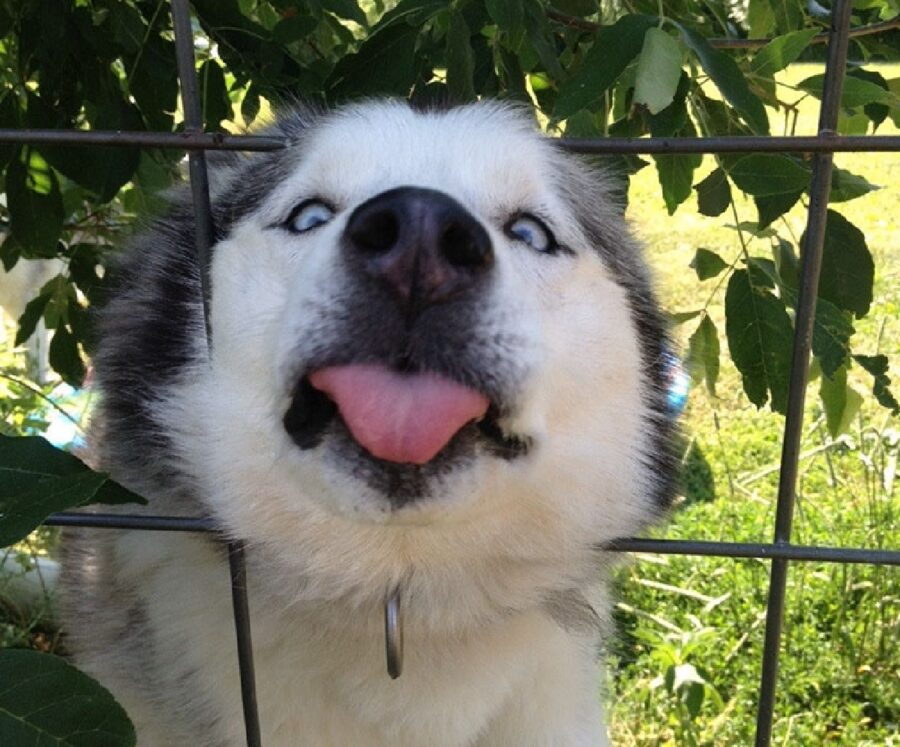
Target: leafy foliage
x=591 y=69
x=45 y=701
x=39 y=479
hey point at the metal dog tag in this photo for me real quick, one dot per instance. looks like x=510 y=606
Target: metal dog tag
x=393 y=635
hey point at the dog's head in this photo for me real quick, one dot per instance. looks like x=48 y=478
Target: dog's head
x=418 y=318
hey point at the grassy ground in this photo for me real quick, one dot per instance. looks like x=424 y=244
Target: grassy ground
x=687 y=662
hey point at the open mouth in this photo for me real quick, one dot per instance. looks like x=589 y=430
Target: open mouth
x=402 y=418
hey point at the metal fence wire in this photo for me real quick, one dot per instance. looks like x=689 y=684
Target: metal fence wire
x=822 y=147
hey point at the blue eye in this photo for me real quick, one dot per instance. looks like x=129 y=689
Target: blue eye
x=533 y=232
x=309 y=215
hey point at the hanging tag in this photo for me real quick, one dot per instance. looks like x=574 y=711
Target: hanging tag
x=393 y=635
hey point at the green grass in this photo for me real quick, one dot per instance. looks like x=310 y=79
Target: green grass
x=686 y=664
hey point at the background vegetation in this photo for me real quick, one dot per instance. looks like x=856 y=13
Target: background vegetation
x=838 y=683
x=686 y=663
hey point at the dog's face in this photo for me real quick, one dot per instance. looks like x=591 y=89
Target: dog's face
x=426 y=321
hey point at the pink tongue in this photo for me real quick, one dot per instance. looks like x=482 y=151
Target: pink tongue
x=399 y=417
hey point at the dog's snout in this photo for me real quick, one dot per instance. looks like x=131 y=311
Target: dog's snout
x=421 y=243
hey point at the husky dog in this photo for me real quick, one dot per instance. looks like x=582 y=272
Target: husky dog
x=437 y=371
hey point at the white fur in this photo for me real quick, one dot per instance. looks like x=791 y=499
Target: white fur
x=485 y=662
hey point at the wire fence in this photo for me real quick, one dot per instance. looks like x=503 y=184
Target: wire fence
x=822 y=147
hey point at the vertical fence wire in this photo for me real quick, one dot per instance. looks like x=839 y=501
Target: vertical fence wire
x=811 y=259
x=204 y=238
x=204 y=230
x=823 y=146
x=238 y=567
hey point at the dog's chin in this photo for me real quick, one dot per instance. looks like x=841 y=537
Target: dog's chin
x=314 y=423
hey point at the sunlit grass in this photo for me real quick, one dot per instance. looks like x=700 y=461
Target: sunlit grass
x=838 y=682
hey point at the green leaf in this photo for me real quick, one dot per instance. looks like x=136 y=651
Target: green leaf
x=780 y=52
x=703 y=354
x=294 y=28
x=760 y=18
x=128 y=28
x=847 y=186
x=730 y=81
x=676 y=174
x=59 y=290
x=614 y=47
x=680 y=317
x=460 y=59
x=216 y=104
x=10 y=253
x=37 y=479
x=541 y=38
x=713 y=194
x=385 y=63
x=673 y=120
x=763 y=174
x=832 y=331
x=348 y=9
x=9 y=119
x=853 y=122
x=788 y=14
x=833 y=393
x=894 y=87
x=848 y=270
x=707 y=264
x=413 y=13
x=877 y=365
x=877 y=113
x=857 y=92
x=154 y=83
x=760 y=337
x=250 y=105
x=787 y=265
x=771 y=207
x=763 y=274
x=35 y=205
x=693 y=696
x=65 y=357
x=832 y=328
x=45 y=701
x=507 y=14
x=658 y=70
x=32 y=314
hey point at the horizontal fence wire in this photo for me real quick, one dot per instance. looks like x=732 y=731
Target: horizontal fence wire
x=824 y=144
x=191 y=141
x=710 y=548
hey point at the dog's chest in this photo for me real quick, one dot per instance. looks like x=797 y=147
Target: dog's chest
x=320 y=673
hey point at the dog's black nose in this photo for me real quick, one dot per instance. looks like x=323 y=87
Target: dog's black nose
x=421 y=243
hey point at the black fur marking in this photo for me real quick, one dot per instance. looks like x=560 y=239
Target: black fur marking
x=308 y=416
x=151 y=330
